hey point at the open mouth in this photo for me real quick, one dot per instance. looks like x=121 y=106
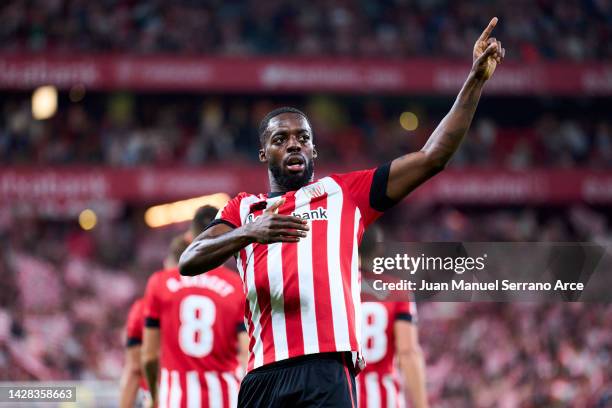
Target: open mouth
x=295 y=163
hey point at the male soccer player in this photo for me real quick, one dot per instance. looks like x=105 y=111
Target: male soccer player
x=132 y=381
x=389 y=336
x=297 y=249
x=194 y=332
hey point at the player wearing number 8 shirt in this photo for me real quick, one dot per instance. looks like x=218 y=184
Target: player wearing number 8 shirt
x=390 y=341
x=297 y=244
x=198 y=322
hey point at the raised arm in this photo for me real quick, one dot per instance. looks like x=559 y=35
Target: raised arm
x=411 y=170
x=215 y=245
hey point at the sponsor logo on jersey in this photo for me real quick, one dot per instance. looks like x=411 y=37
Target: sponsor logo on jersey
x=314 y=190
x=317 y=214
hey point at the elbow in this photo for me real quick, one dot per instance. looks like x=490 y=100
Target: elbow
x=185 y=264
x=188 y=267
x=409 y=355
x=186 y=270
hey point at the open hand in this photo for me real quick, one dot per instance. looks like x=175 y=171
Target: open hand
x=271 y=227
x=488 y=53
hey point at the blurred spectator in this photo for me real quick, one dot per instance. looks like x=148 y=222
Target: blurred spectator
x=133 y=131
x=546 y=29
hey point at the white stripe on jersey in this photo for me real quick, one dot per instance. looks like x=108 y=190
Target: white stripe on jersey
x=254 y=306
x=251 y=292
x=277 y=303
x=194 y=393
x=176 y=393
x=306 y=282
x=215 y=394
x=232 y=389
x=372 y=390
x=163 y=389
x=336 y=288
x=355 y=287
x=391 y=391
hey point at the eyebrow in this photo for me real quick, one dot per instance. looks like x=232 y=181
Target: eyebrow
x=286 y=128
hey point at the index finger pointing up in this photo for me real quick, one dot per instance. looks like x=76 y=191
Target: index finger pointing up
x=487 y=31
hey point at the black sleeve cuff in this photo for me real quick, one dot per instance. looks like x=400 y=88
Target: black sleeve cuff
x=407 y=317
x=378 y=191
x=240 y=327
x=133 y=341
x=151 y=322
x=220 y=221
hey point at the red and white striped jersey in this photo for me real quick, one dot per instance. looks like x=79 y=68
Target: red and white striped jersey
x=379 y=383
x=304 y=298
x=199 y=319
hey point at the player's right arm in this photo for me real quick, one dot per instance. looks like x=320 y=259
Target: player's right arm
x=150 y=359
x=130 y=377
x=215 y=245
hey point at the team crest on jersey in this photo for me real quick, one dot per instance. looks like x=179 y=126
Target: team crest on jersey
x=314 y=190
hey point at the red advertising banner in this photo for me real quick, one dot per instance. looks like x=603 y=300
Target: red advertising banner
x=268 y=75
x=143 y=185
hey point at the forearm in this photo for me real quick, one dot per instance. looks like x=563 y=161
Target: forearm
x=150 y=367
x=128 y=388
x=447 y=137
x=207 y=253
x=412 y=365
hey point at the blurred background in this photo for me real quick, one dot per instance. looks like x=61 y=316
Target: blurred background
x=112 y=108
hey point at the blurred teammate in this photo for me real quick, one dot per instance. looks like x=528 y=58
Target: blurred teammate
x=194 y=333
x=297 y=249
x=389 y=336
x=132 y=382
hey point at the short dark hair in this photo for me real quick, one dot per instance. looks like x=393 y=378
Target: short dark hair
x=178 y=245
x=203 y=216
x=263 y=125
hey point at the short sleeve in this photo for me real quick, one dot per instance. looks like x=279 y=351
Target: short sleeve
x=406 y=311
x=135 y=323
x=230 y=213
x=368 y=189
x=151 y=303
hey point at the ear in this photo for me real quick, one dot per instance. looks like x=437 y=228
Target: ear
x=262 y=156
x=314 y=153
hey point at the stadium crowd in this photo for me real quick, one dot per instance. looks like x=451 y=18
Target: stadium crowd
x=65 y=293
x=533 y=30
x=129 y=130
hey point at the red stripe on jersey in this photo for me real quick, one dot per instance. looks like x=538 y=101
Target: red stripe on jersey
x=262 y=285
x=224 y=392
x=291 y=287
x=325 y=327
x=347 y=231
x=382 y=391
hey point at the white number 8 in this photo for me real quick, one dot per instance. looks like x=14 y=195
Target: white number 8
x=197 y=316
x=374 y=335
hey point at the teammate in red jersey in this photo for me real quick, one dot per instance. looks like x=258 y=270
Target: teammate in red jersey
x=132 y=382
x=297 y=249
x=389 y=336
x=194 y=332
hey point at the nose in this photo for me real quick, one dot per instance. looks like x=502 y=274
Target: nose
x=293 y=144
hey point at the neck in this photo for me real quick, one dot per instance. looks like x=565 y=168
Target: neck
x=275 y=187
